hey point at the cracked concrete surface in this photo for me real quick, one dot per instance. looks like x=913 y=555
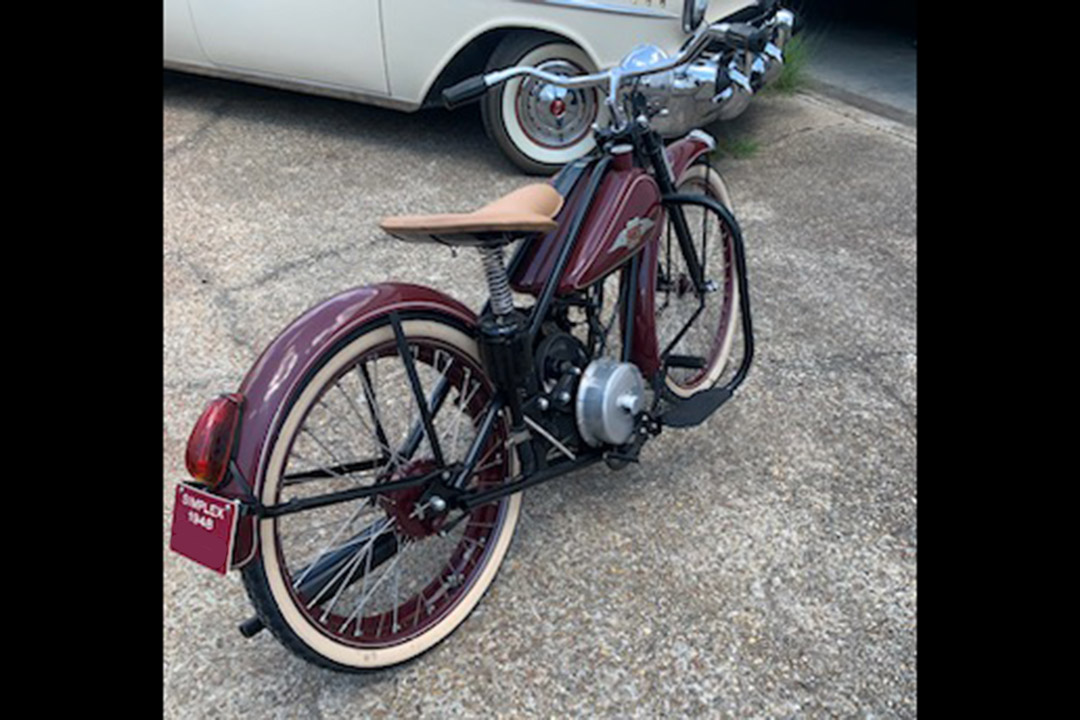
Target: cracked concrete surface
x=761 y=565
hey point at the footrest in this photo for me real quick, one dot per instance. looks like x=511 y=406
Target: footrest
x=692 y=362
x=695 y=409
x=251 y=627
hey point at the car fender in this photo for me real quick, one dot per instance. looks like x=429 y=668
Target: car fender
x=418 y=52
x=496 y=24
x=277 y=375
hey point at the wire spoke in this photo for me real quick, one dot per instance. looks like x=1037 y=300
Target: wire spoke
x=367 y=595
x=329 y=545
x=383 y=447
x=372 y=401
x=353 y=563
x=704 y=242
x=363 y=427
x=310 y=433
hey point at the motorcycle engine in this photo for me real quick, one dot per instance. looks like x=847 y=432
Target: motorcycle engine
x=595 y=402
x=609 y=396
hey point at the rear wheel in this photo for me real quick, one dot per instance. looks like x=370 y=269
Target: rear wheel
x=374 y=582
x=689 y=324
x=539 y=126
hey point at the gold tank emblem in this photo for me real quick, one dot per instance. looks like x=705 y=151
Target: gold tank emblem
x=631 y=234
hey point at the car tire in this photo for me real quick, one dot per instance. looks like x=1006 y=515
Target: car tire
x=540 y=127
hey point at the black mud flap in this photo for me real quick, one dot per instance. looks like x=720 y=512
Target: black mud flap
x=695 y=409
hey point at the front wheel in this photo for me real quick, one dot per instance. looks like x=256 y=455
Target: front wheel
x=374 y=582
x=540 y=127
x=698 y=326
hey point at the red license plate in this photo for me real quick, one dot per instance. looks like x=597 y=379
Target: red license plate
x=204 y=527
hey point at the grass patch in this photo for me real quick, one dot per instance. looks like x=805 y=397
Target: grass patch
x=734 y=147
x=793 y=72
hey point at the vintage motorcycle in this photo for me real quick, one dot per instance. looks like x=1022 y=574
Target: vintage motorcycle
x=367 y=476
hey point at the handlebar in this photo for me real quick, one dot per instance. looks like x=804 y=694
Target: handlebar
x=464 y=92
x=739 y=36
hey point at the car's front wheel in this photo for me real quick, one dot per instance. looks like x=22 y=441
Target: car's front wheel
x=540 y=126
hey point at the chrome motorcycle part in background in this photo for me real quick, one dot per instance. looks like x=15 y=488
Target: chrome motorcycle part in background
x=609 y=397
x=709 y=88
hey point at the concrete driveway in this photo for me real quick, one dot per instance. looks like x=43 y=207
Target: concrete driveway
x=760 y=565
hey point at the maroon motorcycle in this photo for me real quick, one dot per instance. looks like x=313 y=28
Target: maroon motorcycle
x=367 y=476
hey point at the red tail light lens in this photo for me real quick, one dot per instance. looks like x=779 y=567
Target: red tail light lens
x=210 y=445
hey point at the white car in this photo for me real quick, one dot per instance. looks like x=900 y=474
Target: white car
x=403 y=53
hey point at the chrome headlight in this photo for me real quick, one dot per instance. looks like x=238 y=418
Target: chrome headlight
x=656 y=85
x=693 y=13
x=643 y=57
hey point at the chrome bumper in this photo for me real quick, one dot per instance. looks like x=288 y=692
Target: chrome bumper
x=687 y=97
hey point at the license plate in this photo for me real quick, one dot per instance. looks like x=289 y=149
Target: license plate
x=204 y=527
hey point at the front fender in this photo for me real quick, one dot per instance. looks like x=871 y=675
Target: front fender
x=682 y=153
x=286 y=362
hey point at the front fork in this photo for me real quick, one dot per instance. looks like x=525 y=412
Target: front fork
x=692 y=410
x=657 y=155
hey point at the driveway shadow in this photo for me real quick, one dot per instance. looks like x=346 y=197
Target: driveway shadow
x=454 y=136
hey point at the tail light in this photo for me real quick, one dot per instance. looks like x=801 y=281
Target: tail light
x=210 y=445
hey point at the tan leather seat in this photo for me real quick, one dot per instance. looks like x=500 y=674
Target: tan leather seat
x=526 y=210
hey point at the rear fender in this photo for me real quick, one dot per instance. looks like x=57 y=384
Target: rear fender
x=281 y=369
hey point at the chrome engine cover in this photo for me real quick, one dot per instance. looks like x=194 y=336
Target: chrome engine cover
x=609 y=395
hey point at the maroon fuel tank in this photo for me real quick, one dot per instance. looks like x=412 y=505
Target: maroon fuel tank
x=625 y=215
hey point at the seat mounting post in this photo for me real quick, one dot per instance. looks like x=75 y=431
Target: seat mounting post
x=502 y=300
x=506 y=349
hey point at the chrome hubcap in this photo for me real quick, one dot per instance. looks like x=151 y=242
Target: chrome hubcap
x=553 y=116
